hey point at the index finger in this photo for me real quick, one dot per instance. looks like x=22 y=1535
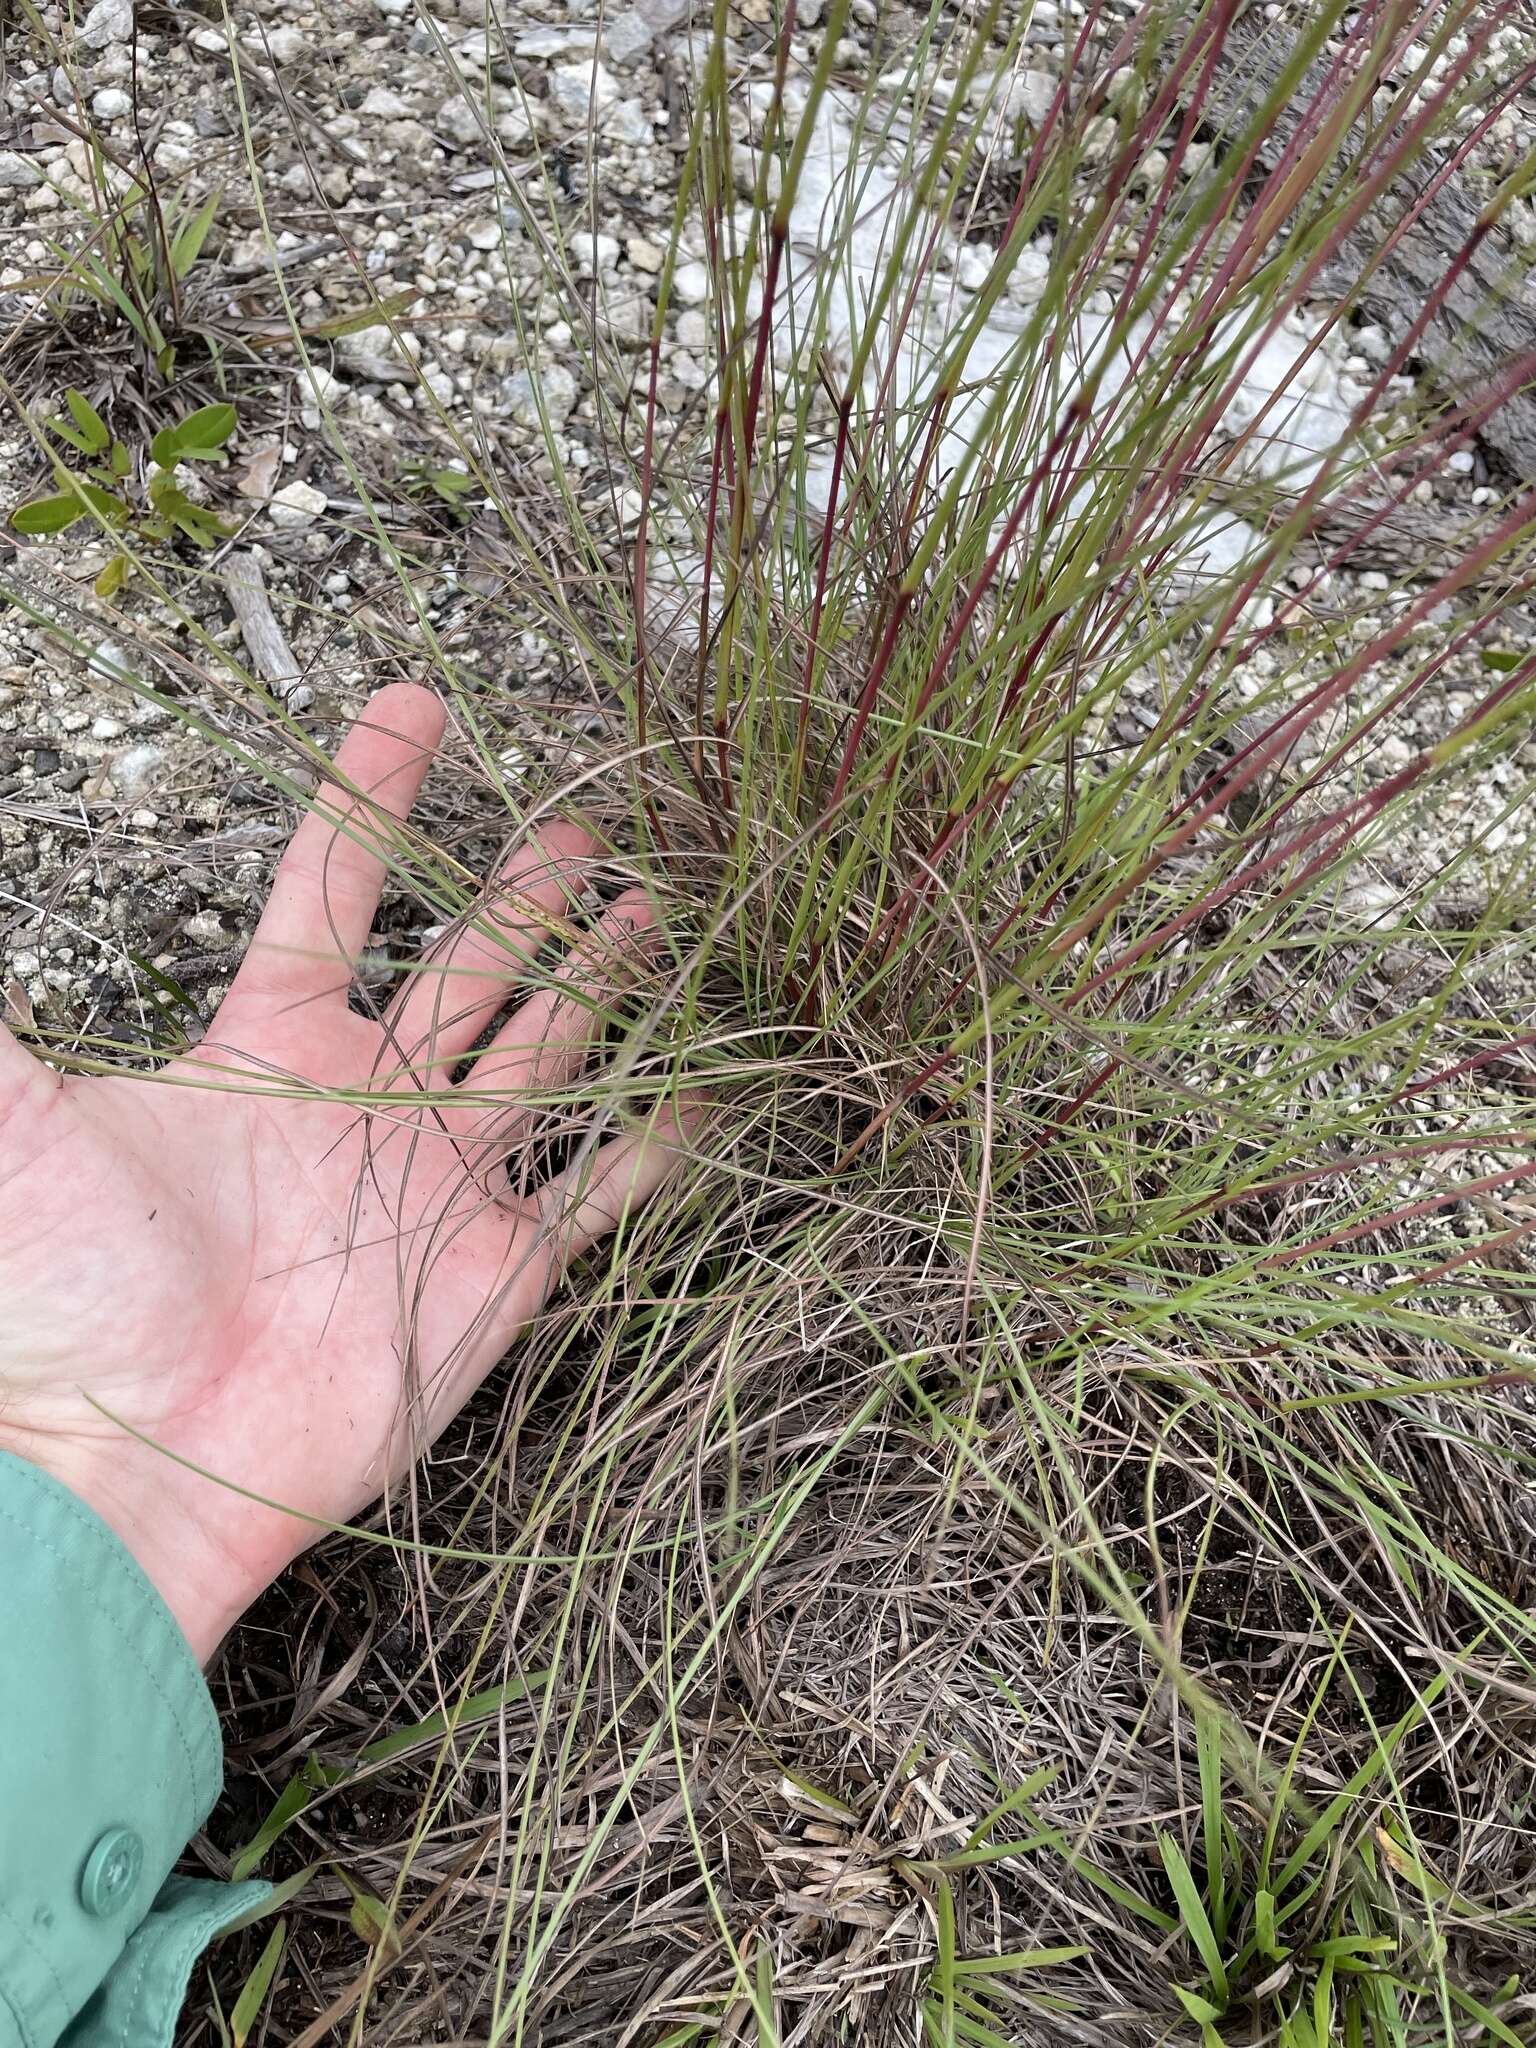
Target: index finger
x=327 y=885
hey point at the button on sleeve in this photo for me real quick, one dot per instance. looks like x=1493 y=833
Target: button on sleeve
x=111 y=1757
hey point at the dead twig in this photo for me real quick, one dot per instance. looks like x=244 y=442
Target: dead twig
x=271 y=656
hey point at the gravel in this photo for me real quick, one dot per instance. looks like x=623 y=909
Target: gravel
x=557 y=387
x=297 y=505
x=136 y=771
x=109 y=21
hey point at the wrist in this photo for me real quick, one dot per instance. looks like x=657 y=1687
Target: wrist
x=133 y=1490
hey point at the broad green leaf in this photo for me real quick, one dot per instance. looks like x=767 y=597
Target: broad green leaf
x=197 y=438
x=89 y=421
x=452 y=483
x=209 y=427
x=107 y=506
x=112 y=578
x=172 y=502
x=203 y=529
x=47 y=515
x=254 y=1992
x=71 y=436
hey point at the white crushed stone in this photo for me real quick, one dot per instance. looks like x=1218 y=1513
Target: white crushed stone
x=109 y=21
x=577 y=90
x=383 y=103
x=296 y=505
x=593 y=252
x=559 y=388
x=1290 y=412
x=137 y=770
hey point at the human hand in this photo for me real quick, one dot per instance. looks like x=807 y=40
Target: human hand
x=293 y=1291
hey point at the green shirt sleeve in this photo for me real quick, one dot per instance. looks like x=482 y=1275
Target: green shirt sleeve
x=109 y=1761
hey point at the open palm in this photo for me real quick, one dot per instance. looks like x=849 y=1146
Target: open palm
x=287 y=1289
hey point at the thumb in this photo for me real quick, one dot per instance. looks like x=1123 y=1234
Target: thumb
x=20 y=1073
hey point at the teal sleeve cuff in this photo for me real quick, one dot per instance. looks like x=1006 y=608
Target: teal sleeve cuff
x=109 y=1761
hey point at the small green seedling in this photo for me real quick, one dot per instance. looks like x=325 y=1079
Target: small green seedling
x=423 y=481
x=105 y=492
x=134 y=264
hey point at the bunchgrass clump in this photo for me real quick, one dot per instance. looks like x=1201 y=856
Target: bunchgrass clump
x=1038 y=1544
x=120 y=289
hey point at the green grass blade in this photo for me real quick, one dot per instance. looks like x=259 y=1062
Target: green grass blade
x=247 y=2008
x=1196 y=1920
